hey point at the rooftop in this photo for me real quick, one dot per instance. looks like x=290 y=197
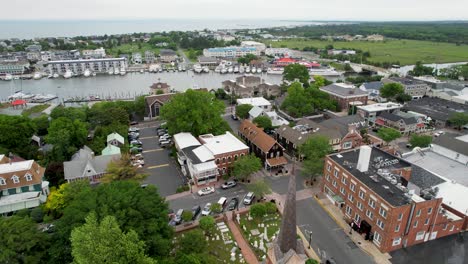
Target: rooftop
x=436 y=108
x=16 y=166
x=373 y=85
x=405 y=81
x=85 y=60
x=379 y=107
x=223 y=143
x=454 y=195
x=452 y=142
x=203 y=154
x=184 y=140
x=15 y=198
x=255 y=111
x=255 y=101
x=342 y=91
x=378 y=177
x=396 y=117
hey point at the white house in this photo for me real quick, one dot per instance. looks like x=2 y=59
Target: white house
x=255 y=101
x=276 y=120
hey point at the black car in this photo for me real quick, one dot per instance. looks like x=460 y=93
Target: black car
x=133 y=123
x=233 y=204
x=234 y=117
x=195 y=211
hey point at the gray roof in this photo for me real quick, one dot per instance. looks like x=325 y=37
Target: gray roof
x=167 y=52
x=373 y=85
x=207 y=59
x=423 y=178
x=395 y=118
x=305 y=129
x=342 y=123
x=406 y=81
x=450 y=141
x=336 y=89
x=436 y=108
x=451 y=93
x=77 y=168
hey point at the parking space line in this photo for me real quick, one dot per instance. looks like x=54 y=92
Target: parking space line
x=148 y=137
x=152 y=150
x=158 y=166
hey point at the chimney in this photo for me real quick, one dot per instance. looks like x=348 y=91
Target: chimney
x=364 y=158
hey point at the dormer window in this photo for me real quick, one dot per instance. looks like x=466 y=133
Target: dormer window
x=15 y=179
x=2 y=181
x=28 y=177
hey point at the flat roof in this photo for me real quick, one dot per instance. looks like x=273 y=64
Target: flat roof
x=382 y=187
x=380 y=107
x=436 y=108
x=255 y=101
x=454 y=195
x=223 y=143
x=15 y=166
x=203 y=153
x=184 y=140
x=14 y=198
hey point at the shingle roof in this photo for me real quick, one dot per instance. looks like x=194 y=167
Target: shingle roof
x=396 y=118
x=450 y=141
x=115 y=136
x=373 y=85
x=159 y=85
x=78 y=168
x=110 y=150
x=162 y=98
x=256 y=135
x=339 y=90
x=20 y=169
x=341 y=124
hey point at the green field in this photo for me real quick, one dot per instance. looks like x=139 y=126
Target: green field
x=405 y=51
x=131 y=48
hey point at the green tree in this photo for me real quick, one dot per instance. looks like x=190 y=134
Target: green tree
x=42 y=124
x=391 y=90
x=106 y=113
x=208 y=224
x=403 y=97
x=246 y=59
x=242 y=111
x=66 y=136
x=192 y=242
x=296 y=102
x=260 y=188
x=388 y=134
x=263 y=122
x=187 y=216
x=421 y=141
x=419 y=70
x=105 y=242
x=258 y=211
x=458 y=120
x=197 y=112
x=314 y=151
x=16 y=133
x=298 y=72
x=246 y=165
x=71 y=113
x=123 y=169
x=22 y=241
x=216 y=208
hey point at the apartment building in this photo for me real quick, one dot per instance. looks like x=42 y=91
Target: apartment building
x=79 y=66
x=382 y=197
x=230 y=52
x=415 y=88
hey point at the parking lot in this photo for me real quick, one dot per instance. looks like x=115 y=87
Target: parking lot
x=162 y=170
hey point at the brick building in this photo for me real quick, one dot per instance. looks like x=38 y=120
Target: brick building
x=381 y=197
x=415 y=88
x=346 y=95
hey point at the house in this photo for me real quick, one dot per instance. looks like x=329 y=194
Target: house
x=452 y=146
x=13 y=67
x=260 y=102
x=33 y=48
x=250 y=86
x=149 y=57
x=348 y=128
x=22 y=185
x=154 y=104
x=137 y=58
x=345 y=95
x=159 y=88
x=386 y=199
x=370 y=112
x=437 y=109
x=405 y=123
x=167 y=55
x=84 y=165
x=278 y=52
x=276 y=120
x=115 y=139
x=415 y=88
x=110 y=150
x=33 y=56
x=254 y=44
x=375 y=37
x=262 y=145
x=99 y=53
x=208 y=61
x=373 y=89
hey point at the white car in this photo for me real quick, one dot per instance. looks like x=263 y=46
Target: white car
x=439 y=133
x=206 y=210
x=206 y=190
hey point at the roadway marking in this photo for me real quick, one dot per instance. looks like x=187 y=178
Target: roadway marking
x=152 y=150
x=158 y=166
x=148 y=137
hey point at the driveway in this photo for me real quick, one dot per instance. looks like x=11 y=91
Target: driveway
x=162 y=170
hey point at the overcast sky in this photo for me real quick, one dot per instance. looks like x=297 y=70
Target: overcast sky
x=236 y=9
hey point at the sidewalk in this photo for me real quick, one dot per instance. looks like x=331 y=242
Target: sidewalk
x=244 y=247
x=365 y=245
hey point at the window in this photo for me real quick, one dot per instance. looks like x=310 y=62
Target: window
x=335 y=173
x=452 y=228
x=217 y=161
x=372 y=203
x=415 y=224
x=224 y=159
x=397 y=228
x=362 y=195
x=348 y=210
x=418 y=213
x=426 y=222
x=357 y=218
x=327 y=177
x=420 y=235
x=235 y=157
x=343 y=180
x=350 y=197
x=347 y=145
x=15 y=179
x=359 y=205
x=369 y=214
x=229 y=159
x=429 y=210
x=342 y=190
x=377 y=238
x=2 y=181
x=352 y=187
x=334 y=183
x=400 y=216
x=380 y=223
x=328 y=167
x=396 y=241
x=28 y=177
x=383 y=212
x=445 y=226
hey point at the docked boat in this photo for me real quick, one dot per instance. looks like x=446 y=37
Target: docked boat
x=206 y=69
x=236 y=69
x=324 y=72
x=37 y=76
x=218 y=69
x=8 y=77
x=111 y=71
x=116 y=71
x=87 y=73
x=230 y=70
x=197 y=68
x=68 y=74
x=93 y=74
x=142 y=71
x=241 y=69
x=275 y=71
x=55 y=75
x=123 y=71
x=253 y=70
x=183 y=68
x=179 y=68
x=247 y=69
x=224 y=70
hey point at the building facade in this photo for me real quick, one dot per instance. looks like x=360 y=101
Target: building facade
x=345 y=96
x=371 y=112
x=154 y=103
x=167 y=55
x=250 y=86
x=415 y=88
x=230 y=52
x=79 y=66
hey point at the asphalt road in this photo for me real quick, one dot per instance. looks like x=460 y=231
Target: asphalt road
x=161 y=168
x=328 y=239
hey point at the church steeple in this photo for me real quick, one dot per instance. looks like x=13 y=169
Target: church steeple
x=287 y=238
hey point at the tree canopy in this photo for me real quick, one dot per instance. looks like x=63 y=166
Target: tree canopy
x=296 y=102
x=123 y=169
x=263 y=122
x=388 y=134
x=458 y=119
x=242 y=111
x=314 y=151
x=420 y=70
x=16 y=133
x=391 y=90
x=246 y=165
x=299 y=72
x=104 y=242
x=421 y=141
x=67 y=136
x=259 y=187
x=197 y=112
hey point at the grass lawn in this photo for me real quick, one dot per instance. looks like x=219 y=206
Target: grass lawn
x=271 y=221
x=35 y=109
x=405 y=51
x=131 y=48
x=218 y=249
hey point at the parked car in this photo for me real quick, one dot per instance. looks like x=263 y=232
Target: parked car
x=133 y=123
x=234 y=117
x=165 y=143
x=162 y=132
x=439 y=133
x=249 y=198
x=133 y=129
x=206 y=210
x=136 y=142
x=222 y=201
x=195 y=211
x=233 y=204
x=228 y=184
x=178 y=217
x=136 y=150
x=206 y=190
x=164 y=138
x=133 y=135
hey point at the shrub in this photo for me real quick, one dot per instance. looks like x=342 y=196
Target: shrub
x=37 y=214
x=258 y=210
x=207 y=224
x=270 y=208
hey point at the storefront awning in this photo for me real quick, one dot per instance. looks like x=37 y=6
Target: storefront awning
x=338 y=199
x=380 y=122
x=278 y=161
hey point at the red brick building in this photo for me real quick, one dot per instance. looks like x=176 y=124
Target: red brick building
x=380 y=198
x=346 y=95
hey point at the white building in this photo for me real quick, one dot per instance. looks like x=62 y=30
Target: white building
x=276 y=120
x=260 y=102
x=370 y=112
x=94 y=54
x=137 y=58
x=79 y=66
x=278 y=52
x=254 y=44
x=230 y=52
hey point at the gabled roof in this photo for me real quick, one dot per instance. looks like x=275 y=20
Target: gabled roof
x=110 y=150
x=342 y=91
x=256 y=135
x=79 y=168
x=395 y=118
x=255 y=111
x=373 y=85
x=161 y=98
x=159 y=85
x=115 y=136
x=20 y=169
x=341 y=124
x=184 y=140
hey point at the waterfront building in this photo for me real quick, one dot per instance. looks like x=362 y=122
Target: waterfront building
x=137 y=58
x=167 y=55
x=254 y=44
x=13 y=66
x=278 y=52
x=79 y=66
x=149 y=57
x=250 y=86
x=94 y=54
x=230 y=52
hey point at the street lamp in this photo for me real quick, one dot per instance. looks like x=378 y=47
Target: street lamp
x=310 y=237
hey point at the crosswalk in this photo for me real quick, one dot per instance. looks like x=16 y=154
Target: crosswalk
x=157 y=166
